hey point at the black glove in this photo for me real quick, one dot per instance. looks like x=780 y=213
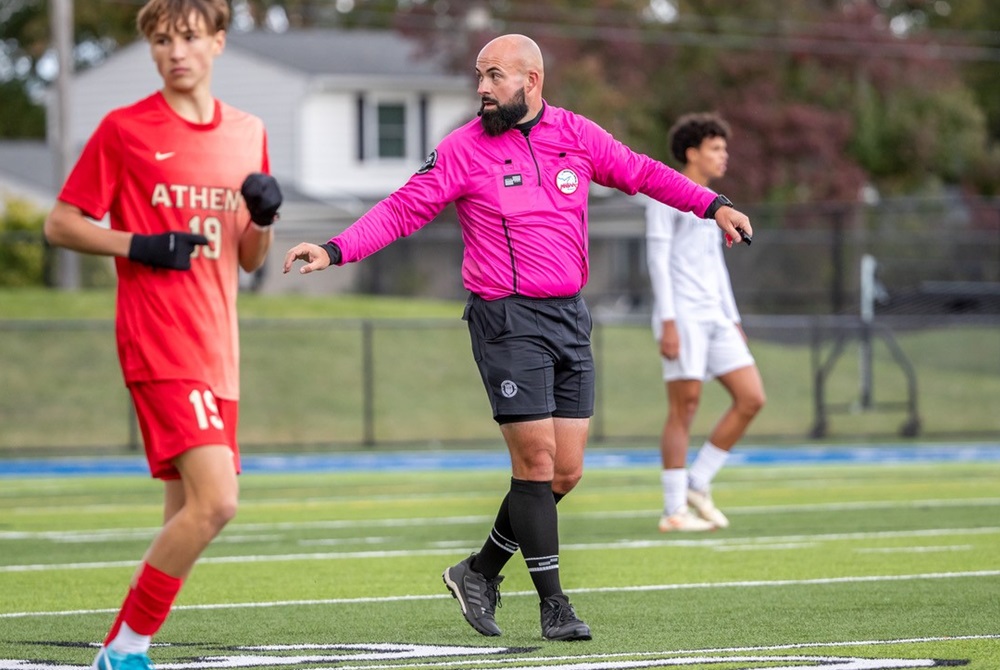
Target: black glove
x=166 y=250
x=263 y=197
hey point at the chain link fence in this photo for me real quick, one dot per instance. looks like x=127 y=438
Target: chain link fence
x=321 y=384
x=927 y=365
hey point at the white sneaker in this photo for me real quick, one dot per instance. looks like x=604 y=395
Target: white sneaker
x=702 y=503
x=685 y=521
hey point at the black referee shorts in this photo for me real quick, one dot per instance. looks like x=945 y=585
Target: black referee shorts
x=534 y=356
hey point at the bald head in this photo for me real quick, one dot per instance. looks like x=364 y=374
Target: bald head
x=517 y=51
x=508 y=65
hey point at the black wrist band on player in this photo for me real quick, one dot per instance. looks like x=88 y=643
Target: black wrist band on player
x=333 y=251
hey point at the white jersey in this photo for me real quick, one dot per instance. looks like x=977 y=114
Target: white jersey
x=686 y=268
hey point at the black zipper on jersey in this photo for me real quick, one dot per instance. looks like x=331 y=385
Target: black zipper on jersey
x=510 y=249
x=506 y=228
x=531 y=150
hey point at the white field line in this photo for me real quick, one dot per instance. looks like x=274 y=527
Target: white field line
x=603 y=589
x=146 y=533
x=818 y=537
x=766 y=547
x=684 y=657
x=699 y=656
x=600 y=661
x=915 y=550
x=662 y=659
x=618 y=546
x=784 y=647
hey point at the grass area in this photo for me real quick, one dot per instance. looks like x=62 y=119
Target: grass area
x=875 y=561
x=47 y=304
x=343 y=371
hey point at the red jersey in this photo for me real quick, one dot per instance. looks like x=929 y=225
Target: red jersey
x=156 y=172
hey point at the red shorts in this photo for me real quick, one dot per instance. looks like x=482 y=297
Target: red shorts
x=178 y=415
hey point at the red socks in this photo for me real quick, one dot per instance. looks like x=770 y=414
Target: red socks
x=148 y=603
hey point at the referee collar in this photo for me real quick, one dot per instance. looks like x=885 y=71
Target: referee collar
x=526 y=127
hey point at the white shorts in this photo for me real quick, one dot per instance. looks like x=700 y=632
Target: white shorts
x=708 y=349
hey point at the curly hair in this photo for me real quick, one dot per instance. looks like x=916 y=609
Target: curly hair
x=692 y=129
x=216 y=14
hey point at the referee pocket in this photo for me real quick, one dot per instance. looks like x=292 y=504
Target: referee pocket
x=489 y=321
x=495 y=318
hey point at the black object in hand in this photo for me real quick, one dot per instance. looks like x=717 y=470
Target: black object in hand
x=746 y=238
x=165 y=250
x=263 y=197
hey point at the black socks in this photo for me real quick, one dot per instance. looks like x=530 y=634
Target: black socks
x=501 y=545
x=526 y=519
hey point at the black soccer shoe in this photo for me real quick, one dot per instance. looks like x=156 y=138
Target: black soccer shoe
x=478 y=596
x=559 y=620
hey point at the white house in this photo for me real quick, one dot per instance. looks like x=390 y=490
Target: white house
x=349 y=113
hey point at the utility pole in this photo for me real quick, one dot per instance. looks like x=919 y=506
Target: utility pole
x=61 y=27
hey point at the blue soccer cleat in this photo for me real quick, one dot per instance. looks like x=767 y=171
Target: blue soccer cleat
x=109 y=659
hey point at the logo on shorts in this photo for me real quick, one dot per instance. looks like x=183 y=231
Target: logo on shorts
x=567 y=181
x=508 y=388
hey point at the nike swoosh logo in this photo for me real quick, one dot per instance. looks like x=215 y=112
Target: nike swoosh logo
x=164 y=156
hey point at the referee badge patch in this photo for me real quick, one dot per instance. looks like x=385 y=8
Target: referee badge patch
x=567 y=181
x=429 y=163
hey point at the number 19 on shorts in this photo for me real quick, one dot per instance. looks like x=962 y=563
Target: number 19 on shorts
x=205 y=410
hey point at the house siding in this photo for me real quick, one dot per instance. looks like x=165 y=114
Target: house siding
x=273 y=93
x=241 y=80
x=311 y=113
x=448 y=111
x=328 y=144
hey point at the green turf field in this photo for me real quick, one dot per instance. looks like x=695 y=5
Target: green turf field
x=868 y=567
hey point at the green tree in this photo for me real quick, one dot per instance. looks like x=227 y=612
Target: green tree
x=974 y=27
x=19 y=116
x=100 y=26
x=22 y=251
x=824 y=96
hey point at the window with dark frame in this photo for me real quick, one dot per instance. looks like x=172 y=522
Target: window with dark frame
x=391 y=129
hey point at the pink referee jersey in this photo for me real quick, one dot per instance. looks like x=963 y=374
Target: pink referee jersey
x=521 y=201
x=155 y=172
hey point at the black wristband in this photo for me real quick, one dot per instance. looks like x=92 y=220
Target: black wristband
x=333 y=251
x=714 y=206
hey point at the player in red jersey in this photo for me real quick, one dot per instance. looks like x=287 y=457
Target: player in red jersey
x=183 y=179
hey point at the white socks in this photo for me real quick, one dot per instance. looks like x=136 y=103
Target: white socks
x=675 y=481
x=129 y=642
x=707 y=463
x=675 y=486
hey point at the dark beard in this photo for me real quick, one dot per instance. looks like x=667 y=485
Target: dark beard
x=504 y=117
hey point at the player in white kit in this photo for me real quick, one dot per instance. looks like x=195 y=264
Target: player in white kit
x=697 y=326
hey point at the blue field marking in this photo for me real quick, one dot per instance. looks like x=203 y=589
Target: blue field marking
x=411 y=461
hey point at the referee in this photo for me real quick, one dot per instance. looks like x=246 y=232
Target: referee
x=519 y=176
